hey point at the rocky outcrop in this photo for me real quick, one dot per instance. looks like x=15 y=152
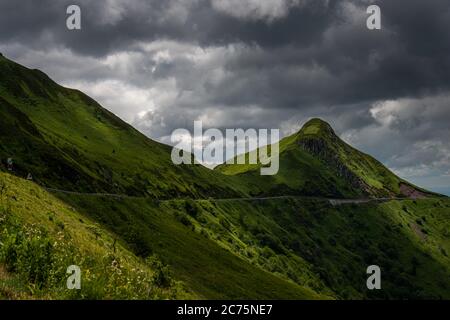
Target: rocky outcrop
x=410 y=192
x=320 y=149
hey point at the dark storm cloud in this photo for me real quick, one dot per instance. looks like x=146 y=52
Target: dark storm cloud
x=112 y=25
x=411 y=55
x=349 y=64
x=254 y=63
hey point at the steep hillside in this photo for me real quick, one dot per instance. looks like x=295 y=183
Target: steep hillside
x=67 y=140
x=41 y=236
x=165 y=231
x=119 y=245
x=249 y=248
x=316 y=162
x=328 y=248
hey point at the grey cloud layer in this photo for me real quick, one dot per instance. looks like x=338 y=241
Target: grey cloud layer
x=162 y=64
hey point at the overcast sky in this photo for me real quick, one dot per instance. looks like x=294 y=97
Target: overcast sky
x=161 y=64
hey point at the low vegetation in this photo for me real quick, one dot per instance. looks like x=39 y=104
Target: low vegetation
x=40 y=237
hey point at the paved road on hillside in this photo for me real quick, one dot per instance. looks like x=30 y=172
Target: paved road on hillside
x=332 y=201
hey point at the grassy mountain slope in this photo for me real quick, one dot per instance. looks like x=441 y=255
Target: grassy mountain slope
x=97 y=152
x=168 y=229
x=314 y=161
x=67 y=140
x=290 y=248
x=118 y=250
x=328 y=248
x=311 y=243
x=40 y=236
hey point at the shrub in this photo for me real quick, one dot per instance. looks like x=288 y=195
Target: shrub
x=8 y=252
x=191 y=208
x=36 y=258
x=181 y=217
x=161 y=276
x=29 y=253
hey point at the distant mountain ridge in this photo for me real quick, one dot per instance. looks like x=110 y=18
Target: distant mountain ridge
x=68 y=141
x=315 y=158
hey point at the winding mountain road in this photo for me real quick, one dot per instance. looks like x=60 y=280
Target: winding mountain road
x=332 y=201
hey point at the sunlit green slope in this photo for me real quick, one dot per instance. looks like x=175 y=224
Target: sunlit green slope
x=119 y=245
x=67 y=140
x=41 y=236
x=316 y=162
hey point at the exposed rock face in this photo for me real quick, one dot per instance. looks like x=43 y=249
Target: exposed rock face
x=411 y=192
x=319 y=148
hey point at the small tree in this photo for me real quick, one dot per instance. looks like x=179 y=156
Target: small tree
x=191 y=208
x=161 y=276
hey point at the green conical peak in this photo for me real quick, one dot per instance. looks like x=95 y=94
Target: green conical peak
x=317 y=126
